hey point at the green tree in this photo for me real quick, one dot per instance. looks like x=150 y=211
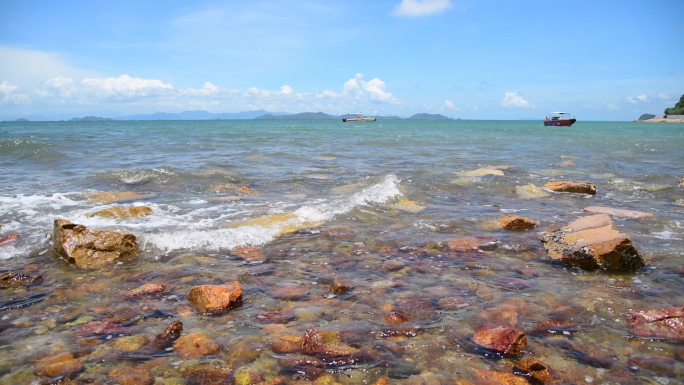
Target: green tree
x=678 y=109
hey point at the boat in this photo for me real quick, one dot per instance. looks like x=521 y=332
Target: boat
x=359 y=118
x=559 y=119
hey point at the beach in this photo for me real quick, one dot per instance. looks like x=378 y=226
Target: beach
x=367 y=253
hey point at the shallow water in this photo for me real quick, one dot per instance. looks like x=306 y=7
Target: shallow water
x=337 y=185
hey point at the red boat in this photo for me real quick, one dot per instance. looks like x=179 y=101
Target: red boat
x=559 y=119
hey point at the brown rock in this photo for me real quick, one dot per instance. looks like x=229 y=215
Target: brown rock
x=206 y=374
x=512 y=222
x=571 y=187
x=535 y=370
x=91 y=249
x=393 y=265
x=168 y=336
x=464 y=244
x=195 y=345
x=394 y=317
x=110 y=197
x=290 y=292
x=452 y=303
x=618 y=212
x=503 y=340
x=325 y=343
x=249 y=253
x=146 y=290
x=308 y=366
x=341 y=286
x=662 y=323
x=555 y=327
x=660 y=365
x=131 y=376
x=591 y=243
x=216 y=299
x=123 y=212
x=130 y=342
x=286 y=343
x=490 y=377
x=277 y=317
x=11 y=279
x=58 y=365
x=8 y=239
x=247 y=191
x=681 y=181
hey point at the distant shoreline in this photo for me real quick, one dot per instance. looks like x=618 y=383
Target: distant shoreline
x=659 y=120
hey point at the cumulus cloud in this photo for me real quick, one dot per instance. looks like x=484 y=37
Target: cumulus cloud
x=358 y=88
x=8 y=93
x=449 y=104
x=419 y=8
x=125 y=86
x=286 y=90
x=208 y=89
x=514 y=99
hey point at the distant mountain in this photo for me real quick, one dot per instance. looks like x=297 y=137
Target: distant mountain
x=424 y=116
x=301 y=116
x=200 y=115
x=91 y=119
x=646 y=117
x=678 y=109
x=22 y=120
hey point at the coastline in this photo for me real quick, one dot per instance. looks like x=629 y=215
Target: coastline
x=659 y=121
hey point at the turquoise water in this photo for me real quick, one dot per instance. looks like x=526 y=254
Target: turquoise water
x=342 y=178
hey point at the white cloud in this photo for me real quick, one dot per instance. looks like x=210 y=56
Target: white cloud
x=8 y=90
x=450 y=105
x=124 y=86
x=612 y=107
x=208 y=89
x=286 y=90
x=418 y=8
x=514 y=99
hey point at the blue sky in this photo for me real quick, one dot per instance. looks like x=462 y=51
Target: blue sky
x=485 y=59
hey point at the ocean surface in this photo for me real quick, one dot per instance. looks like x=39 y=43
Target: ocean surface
x=373 y=203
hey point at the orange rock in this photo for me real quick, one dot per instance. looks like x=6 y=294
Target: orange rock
x=394 y=317
x=571 y=186
x=490 y=377
x=286 y=343
x=341 y=286
x=215 y=299
x=247 y=191
x=464 y=244
x=503 y=340
x=131 y=376
x=145 y=290
x=325 y=343
x=512 y=222
x=249 y=253
x=8 y=239
x=535 y=369
x=58 y=365
x=90 y=249
x=382 y=381
x=206 y=374
x=195 y=345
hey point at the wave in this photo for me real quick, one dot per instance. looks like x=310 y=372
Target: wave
x=162 y=175
x=20 y=149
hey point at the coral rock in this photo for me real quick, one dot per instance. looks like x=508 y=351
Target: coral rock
x=216 y=299
x=571 y=187
x=512 y=222
x=91 y=249
x=195 y=345
x=503 y=340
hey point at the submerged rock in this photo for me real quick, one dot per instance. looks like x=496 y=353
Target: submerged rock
x=62 y=365
x=91 y=249
x=535 y=370
x=503 y=340
x=470 y=243
x=146 y=290
x=618 y=212
x=491 y=377
x=571 y=186
x=513 y=222
x=9 y=239
x=341 y=285
x=130 y=342
x=249 y=253
x=11 y=279
x=325 y=343
x=123 y=212
x=483 y=172
x=407 y=206
x=195 y=345
x=111 y=197
x=207 y=374
x=591 y=243
x=131 y=376
x=530 y=191
x=662 y=323
x=216 y=299
x=681 y=181
x=168 y=336
x=290 y=293
x=277 y=317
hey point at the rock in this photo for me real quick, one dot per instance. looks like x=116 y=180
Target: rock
x=247 y=191
x=341 y=286
x=325 y=343
x=452 y=303
x=11 y=279
x=394 y=317
x=216 y=299
x=101 y=327
x=490 y=377
x=58 y=365
x=661 y=323
x=587 y=353
x=618 y=212
x=111 y=197
x=470 y=243
x=286 y=343
x=512 y=222
x=131 y=376
x=393 y=265
x=146 y=290
x=503 y=340
x=249 y=253
x=123 y=212
x=417 y=309
x=277 y=317
x=530 y=191
x=571 y=187
x=91 y=249
x=407 y=206
x=535 y=370
x=659 y=365
x=679 y=202
x=483 y=172
x=307 y=366
x=130 y=342
x=207 y=374
x=567 y=163
x=290 y=293
x=9 y=239
x=168 y=336
x=195 y=345
x=681 y=180
x=555 y=327
x=591 y=243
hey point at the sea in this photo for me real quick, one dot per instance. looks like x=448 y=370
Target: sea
x=374 y=204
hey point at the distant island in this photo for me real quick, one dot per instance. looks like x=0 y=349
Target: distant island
x=672 y=115
x=91 y=119
x=424 y=116
x=22 y=120
x=322 y=115
x=646 y=117
x=201 y=115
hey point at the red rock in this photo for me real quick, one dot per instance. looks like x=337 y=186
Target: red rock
x=207 y=374
x=131 y=376
x=216 y=299
x=571 y=187
x=394 y=317
x=591 y=243
x=12 y=279
x=290 y=293
x=277 y=317
x=536 y=370
x=503 y=340
x=195 y=345
x=8 y=239
x=249 y=253
x=58 y=365
x=146 y=290
x=513 y=222
x=662 y=323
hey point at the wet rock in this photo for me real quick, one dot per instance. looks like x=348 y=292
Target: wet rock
x=490 y=377
x=248 y=378
x=452 y=303
x=121 y=315
x=168 y=336
x=393 y=265
x=418 y=309
x=62 y=365
x=571 y=187
x=566 y=163
x=394 y=317
x=216 y=299
x=586 y=353
x=91 y=249
x=662 y=323
x=593 y=243
x=308 y=366
x=502 y=315
x=102 y=327
x=555 y=327
x=338 y=232
x=341 y=286
x=131 y=376
x=658 y=365
x=536 y=371
x=12 y=279
x=123 y=212
x=146 y=290
x=503 y=340
x=407 y=206
x=130 y=342
x=286 y=343
x=277 y=317
x=513 y=222
x=195 y=345
x=249 y=253
x=207 y=374
x=111 y=197
x=618 y=212
x=530 y=191
x=681 y=181
x=9 y=239
x=326 y=343
x=290 y=293
x=247 y=191
x=470 y=243
x=483 y=172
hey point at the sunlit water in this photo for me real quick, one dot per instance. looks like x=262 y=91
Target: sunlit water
x=341 y=181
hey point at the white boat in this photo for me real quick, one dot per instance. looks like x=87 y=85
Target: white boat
x=359 y=118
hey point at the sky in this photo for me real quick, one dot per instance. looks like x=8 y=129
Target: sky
x=482 y=59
